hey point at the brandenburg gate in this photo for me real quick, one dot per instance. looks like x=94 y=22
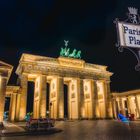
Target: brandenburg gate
x=88 y=87
x=77 y=90
x=86 y=96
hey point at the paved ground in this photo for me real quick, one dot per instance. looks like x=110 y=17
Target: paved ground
x=88 y=130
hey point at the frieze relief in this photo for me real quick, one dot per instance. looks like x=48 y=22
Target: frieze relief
x=28 y=68
x=34 y=67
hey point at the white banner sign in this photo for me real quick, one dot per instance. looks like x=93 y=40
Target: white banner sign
x=129 y=35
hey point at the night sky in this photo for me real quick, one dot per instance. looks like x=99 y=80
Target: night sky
x=40 y=26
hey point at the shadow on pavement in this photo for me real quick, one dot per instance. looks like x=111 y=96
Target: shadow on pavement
x=30 y=133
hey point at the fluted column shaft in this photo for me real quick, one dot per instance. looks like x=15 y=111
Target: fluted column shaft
x=114 y=108
x=12 y=110
x=107 y=99
x=95 y=99
x=18 y=106
x=120 y=104
x=43 y=89
x=137 y=106
x=23 y=100
x=2 y=96
x=81 y=98
x=60 y=96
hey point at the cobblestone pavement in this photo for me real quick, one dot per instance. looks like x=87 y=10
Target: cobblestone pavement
x=88 y=130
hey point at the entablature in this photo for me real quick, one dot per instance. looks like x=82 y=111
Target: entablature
x=61 y=66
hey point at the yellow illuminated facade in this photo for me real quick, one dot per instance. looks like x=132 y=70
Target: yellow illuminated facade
x=88 y=89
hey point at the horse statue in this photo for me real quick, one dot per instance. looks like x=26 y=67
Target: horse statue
x=78 y=55
x=73 y=54
x=63 y=51
x=67 y=52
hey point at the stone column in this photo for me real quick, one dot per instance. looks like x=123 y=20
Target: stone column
x=128 y=105
x=114 y=107
x=123 y=107
x=120 y=104
x=42 y=94
x=60 y=97
x=17 y=107
x=117 y=106
x=36 y=98
x=94 y=99
x=137 y=106
x=107 y=98
x=2 y=96
x=23 y=103
x=81 y=98
x=12 y=110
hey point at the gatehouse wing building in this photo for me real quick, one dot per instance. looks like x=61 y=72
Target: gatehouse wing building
x=5 y=73
x=126 y=103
